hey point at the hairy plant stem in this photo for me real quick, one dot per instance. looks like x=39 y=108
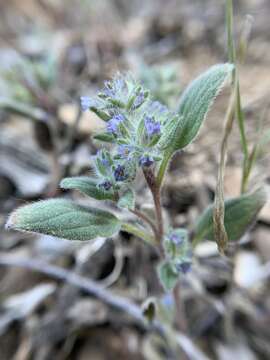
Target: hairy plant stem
x=155 y=190
x=157 y=201
x=154 y=184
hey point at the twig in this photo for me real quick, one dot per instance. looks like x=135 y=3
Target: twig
x=106 y=296
x=219 y=209
x=89 y=286
x=190 y=349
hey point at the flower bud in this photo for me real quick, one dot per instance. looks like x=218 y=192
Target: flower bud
x=113 y=124
x=152 y=127
x=106 y=185
x=120 y=173
x=146 y=161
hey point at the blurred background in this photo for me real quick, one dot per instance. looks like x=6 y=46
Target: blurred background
x=53 y=52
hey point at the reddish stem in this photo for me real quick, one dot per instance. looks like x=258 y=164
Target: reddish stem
x=181 y=323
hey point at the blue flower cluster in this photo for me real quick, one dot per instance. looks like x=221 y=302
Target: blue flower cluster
x=111 y=171
x=134 y=123
x=124 y=151
x=114 y=122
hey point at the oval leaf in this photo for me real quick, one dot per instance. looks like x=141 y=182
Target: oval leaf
x=87 y=186
x=240 y=213
x=64 y=219
x=196 y=101
x=167 y=276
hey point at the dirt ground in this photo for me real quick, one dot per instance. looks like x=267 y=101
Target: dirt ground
x=77 y=44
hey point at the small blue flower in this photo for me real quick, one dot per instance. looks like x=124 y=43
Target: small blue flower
x=119 y=84
x=106 y=185
x=103 y=158
x=120 y=173
x=124 y=150
x=112 y=125
x=152 y=127
x=146 y=160
x=86 y=102
x=114 y=88
x=108 y=90
x=139 y=100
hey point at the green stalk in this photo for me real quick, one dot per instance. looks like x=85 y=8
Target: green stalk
x=219 y=206
x=241 y=124
x=241 y=121
x=229 y=26
x=246 y=167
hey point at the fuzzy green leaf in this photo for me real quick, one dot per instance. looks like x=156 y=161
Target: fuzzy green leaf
x=127 y=200
x=240 y=214
x=88 y=186
x=195 y=103
x=171 y=134
x=64 y=219
x=198 y=98
x=167 y=276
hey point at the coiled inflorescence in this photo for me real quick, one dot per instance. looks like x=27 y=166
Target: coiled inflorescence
x=134 y=123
